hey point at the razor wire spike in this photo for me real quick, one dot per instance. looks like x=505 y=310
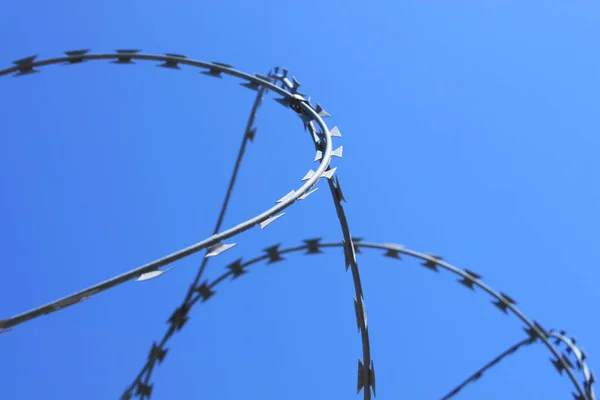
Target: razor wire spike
x=431 y=263
x=179 y=317
x=218 y=248
x=286 y=197
x=361 y=313
x=339 y=195
x=322 y=113
x=313 y=246
x=533 y=335
x=369 y=375
x=329 y=173
x=337 y=152
x=577 y=396
x=559 y=365
x=470 y=279
x=127 y=395
x=205 y=291
x=318 y=156
x=125 y=56
x=25 y=66
x=236 y=269
x=143 y=390
x=171 y=62
x=583 y=354
x=270 y=220
x=157 y=353
x=503 y=302
x=295 y=84
x=250 y=85
x=393 y=250
x=372 y=377
x=273 y=254
x=250 y=134
x=76 y=56
x=214 y=72
x=152 y=274
x=308 y=175
x=305 y=195
x=335 y=132
x=592 y=377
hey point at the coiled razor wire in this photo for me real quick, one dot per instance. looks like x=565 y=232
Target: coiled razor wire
x=572 y=359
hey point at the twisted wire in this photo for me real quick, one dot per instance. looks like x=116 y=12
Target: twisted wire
x=312 y=118
x=213 y=244
x=158 y=351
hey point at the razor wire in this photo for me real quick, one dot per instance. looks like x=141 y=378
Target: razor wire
x=277 y=81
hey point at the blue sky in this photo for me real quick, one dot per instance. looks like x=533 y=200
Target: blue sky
x=469 y=131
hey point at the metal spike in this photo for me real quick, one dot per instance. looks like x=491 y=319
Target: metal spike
x=431 y=264
x=144 y=390
x=372 y=378
x=313 y=246
x=305 y=195
x=274 y=254
x=251 y=134
x=393 y=250
x=218 y=248
x=295 y=83
x=361 y=379
x=318 y=156
x=157 y=353
x=308 y=175
x=338 y=190
x=286 y=197
x=152 y=274
x=338 y=152
x=236 y=268
x=251 y=85
x=171 y=63
x=469 y=280
x=322 y=113
x=25 y=66
x=558 y=365
x=215 y=73
x=179 y=317
x=76 y=56
x=270 y=220
x=125 y=56
x=329 y=173
x=205 y=291
x=335 y=132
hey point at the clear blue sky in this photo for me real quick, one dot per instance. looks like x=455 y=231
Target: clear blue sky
x=470 y=130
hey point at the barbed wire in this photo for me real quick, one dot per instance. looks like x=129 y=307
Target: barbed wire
x=277 y=81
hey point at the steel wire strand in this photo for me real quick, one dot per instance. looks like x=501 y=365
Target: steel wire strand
x=214 y=243
x=366 y=369
x=468 y=279
x=158 y=352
